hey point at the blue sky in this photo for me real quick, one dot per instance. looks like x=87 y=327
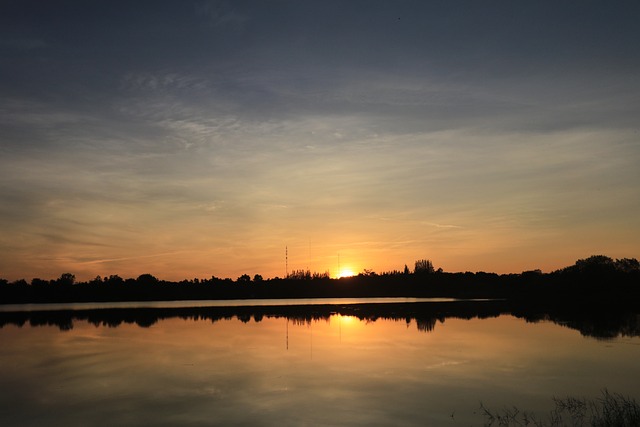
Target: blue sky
x=197 y=138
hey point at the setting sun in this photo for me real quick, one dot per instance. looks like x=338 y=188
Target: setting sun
x=345 y=272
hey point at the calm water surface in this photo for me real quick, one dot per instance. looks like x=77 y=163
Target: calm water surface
x=340 y=371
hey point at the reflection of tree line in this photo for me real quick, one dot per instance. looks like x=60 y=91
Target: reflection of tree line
x=596 y=323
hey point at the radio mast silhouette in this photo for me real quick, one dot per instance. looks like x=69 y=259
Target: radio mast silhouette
x=286 y=262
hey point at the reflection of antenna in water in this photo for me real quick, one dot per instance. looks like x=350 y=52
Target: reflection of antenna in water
x=311 y=343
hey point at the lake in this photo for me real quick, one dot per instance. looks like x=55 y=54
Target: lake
x=297 y=365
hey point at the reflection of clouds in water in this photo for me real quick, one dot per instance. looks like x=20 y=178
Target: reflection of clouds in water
x=212 y=391
x=188 y=371
x=445 y=364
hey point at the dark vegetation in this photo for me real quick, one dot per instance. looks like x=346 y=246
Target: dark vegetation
x=597 y=279
x=610 y=410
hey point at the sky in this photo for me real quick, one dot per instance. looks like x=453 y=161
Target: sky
x=190 y=139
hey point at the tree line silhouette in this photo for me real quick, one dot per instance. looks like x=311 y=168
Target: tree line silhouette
x=595 y=280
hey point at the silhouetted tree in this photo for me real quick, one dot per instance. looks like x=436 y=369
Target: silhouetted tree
x=245 y=278
x=595 y=265
x=147 y=279
x=35 y=282
x=114 y=279
x=597 y=260
x=66 y=279
x=19 y=283
x=423 y=266
x=627 y=265
x=257 y=278
x=300 y=275
x=324 y=275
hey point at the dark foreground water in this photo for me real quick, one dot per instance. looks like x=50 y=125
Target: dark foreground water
x=284 y=370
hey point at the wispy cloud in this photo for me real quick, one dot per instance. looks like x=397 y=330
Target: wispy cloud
x=165 y=82
x=222 y=15
x=132 y=258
